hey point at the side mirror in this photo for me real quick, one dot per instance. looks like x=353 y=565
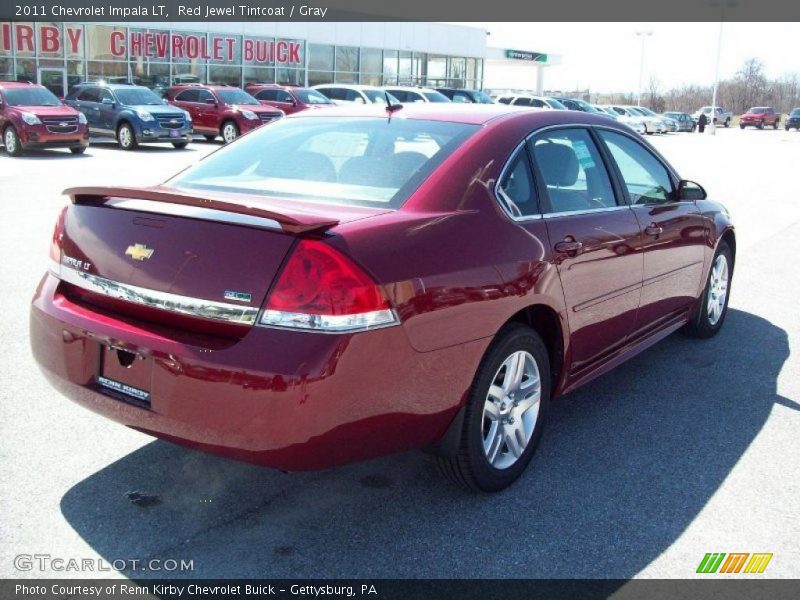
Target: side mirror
x=691 y=191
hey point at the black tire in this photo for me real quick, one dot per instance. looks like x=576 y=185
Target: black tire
x=15 y=146
x=222 y=129
x=760 y=125
x=702 y=326
x=775 y=124
x=727 y=123
x=126 y=141
x=210 y=138
x=741 y=126
x=180 y=145
x=78 y=150
x=470 y=467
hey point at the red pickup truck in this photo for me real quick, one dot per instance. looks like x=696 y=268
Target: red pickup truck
x=759 y=116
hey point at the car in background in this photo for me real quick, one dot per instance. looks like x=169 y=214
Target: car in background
x=289 y=98
x=305 y=298
x=221 y=110
x=659 y=123
x=607 y=111
x=33 y=118
x=628 y=115
x=684 y=121
x=722 y=116
x=579 y=105
x=793 y=120
x=466 y=96
x=344 y=94
x=410 y=95
x=133 y=114
x=760 y=117
x=529 y=100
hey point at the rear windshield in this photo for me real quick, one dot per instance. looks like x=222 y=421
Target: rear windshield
x=32 y=96
x=482 y=98
x=758 y=110
x=236 y=96
x=436 y=97
x=137 y=96
x=373 y=162
x=312 y=97
x=555 y=104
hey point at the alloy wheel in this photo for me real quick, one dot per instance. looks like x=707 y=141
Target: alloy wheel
x=511 y=410
x=125 y=137
x=717 y=289
x=229 y=133
x=10 y=141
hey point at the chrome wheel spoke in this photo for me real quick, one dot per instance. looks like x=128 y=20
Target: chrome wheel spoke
x=515 y=446
x=491 y=411
x=717 y=289
x=493 y=442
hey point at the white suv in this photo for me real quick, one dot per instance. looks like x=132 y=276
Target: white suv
x=343 y=93
x=630 y=114
x=532 y=101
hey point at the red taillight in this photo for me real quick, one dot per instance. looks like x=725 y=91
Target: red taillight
x=58 y=234
x=322 y=289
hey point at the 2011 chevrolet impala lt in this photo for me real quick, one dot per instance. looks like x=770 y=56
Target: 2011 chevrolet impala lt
x=349 y=283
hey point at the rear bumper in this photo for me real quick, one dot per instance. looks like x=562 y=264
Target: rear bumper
x=286 y=399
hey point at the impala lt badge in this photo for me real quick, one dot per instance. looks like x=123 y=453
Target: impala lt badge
x=139 y=252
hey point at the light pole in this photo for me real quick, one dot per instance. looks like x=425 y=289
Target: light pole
x=712 y=126
x=644 y=35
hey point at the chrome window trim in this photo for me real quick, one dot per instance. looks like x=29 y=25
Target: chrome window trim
x=586 y=211
x=174 y=303
x=540 y=215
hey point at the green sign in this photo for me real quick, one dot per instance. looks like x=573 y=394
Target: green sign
x=525 y=55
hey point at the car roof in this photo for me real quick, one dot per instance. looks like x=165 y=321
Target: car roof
x=348 y=86
x=17 y=84
x=409 y=88
x=468 y=114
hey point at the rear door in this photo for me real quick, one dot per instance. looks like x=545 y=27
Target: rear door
x=594 y=237
x=106 y=111
x=88 y=102
x=672 y=230
x=187 y=100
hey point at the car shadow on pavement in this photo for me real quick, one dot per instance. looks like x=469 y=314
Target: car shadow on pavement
x=625 y=465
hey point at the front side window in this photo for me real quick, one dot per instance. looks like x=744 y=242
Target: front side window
x=645 y=178
x=516 y=190
x=311 y=97
x=346 y=161
x=573 y=171
x=522 y=102
x=436 y=97
x=205 y=96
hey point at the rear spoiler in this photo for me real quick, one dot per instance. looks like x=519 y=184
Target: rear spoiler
x=289 y=221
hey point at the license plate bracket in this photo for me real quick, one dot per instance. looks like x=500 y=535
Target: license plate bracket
x=126 y=374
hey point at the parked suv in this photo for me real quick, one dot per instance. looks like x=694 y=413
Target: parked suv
x=533 y=101
x=289 y=98
x=793 y=120
x=466 y=96
x=759 y=116
x=721 y=117
x=32 y=117
x=133 y=114
x=221 y=110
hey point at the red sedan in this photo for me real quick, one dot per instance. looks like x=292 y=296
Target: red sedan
x=354 y=282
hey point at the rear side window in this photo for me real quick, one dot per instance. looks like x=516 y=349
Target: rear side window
x=573 y=171
x=269 y=95
x=504 y=100
x=347 y=161
x=645 y=177
x=187 y=96
x=89 y=95
x=516 y=190
x=522 y=102
x=205 y=96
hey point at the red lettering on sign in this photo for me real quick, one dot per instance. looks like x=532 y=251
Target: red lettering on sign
x=177 y=46
x=6 y=29
x=294 y=53
x=135 y=42
x=192 y=47
x=74 y=37
x=282 y=52
x=117 y=43
x=161 y=45
x=217 y=48
x=24 y=38
x=247 y=50
x=231 y=48
x=49 y=40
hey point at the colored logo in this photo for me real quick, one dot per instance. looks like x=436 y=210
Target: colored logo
x=139 y=252
x=735 y=562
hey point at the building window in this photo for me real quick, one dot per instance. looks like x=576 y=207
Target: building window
x=227 y=75
x=390 y=63
x=5 y=38
x=320 y=57
x=259 y=75
x=437 y=71
x=111 y=72
x=105 y=42
x=188 y=73
x=285 y=76
x=347 y=59
x=150 y=74
x=405 y=72
x=6 y=68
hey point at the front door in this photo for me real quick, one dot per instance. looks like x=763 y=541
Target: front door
x=55 y=80
x=595 y=241
x=672 y=231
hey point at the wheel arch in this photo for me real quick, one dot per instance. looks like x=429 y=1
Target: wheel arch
x=546 y=321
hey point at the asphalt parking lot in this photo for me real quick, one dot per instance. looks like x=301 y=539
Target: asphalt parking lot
x=692 y=447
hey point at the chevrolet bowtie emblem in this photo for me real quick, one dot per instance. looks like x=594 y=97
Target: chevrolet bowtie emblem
x=139 y=252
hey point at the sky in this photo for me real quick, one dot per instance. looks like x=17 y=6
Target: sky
x=605 y=57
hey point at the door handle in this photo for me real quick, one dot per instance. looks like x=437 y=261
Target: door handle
x=568 y=246
x=653 y=230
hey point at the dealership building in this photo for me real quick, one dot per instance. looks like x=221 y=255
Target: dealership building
x=60 y=55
